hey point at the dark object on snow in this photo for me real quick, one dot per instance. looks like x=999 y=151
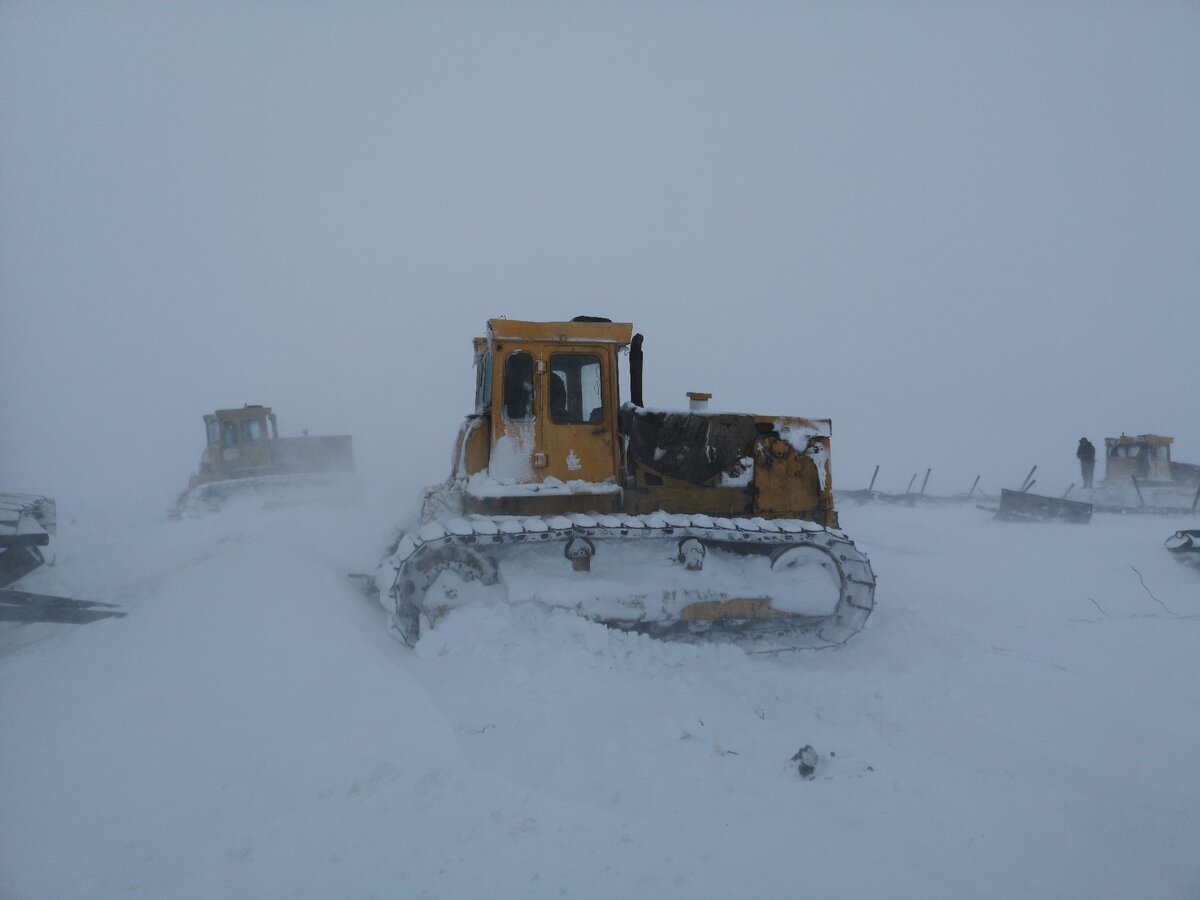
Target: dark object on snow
x=806 y=759
x=1087 y=460
x=19 y=555
x=1019 y=506
x=692 y=447
x=26 y=523
x=1185 y=546
x=23 y=606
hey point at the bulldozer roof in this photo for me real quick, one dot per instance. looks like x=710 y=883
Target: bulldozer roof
x=563 y=332
x=1139 y=439
x=249 y=411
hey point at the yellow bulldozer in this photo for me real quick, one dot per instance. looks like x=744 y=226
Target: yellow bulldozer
x=674 y=523
x=1146 y=457
x=243 y=452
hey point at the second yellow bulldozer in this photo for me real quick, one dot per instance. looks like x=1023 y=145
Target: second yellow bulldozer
x=671 y=523
x=244 y=453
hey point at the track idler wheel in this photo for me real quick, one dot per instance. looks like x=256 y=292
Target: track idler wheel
x=416 y=579
x=579 y=551
x=691 y=554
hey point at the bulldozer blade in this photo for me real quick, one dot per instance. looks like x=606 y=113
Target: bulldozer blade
x=24 y=606
x=1023 y=506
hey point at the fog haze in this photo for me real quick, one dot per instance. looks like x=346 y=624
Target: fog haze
x=966 y=233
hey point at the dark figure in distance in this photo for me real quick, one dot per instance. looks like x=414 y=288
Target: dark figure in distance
x=1087 y=460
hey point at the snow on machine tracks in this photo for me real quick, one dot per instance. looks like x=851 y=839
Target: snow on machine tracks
x=766 y=584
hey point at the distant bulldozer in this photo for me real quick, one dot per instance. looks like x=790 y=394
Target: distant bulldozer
x=244 y=453
x=1146 y=457
x=1139 y=473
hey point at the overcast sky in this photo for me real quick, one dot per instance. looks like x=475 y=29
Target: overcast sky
x=968 y=233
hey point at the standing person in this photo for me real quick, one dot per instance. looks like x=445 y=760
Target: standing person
x=1087 y=460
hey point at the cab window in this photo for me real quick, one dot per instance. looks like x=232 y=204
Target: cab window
x=518 y=387
x=214 y=433
x=483 y=380
x=576 y=389
x=230 y=434
x=252 y=431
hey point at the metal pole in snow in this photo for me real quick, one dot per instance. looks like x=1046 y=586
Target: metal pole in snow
x=908 y=490
x=1028 y=486
x=1196 y=499
x=974 y=485
x=1141 y=502
x=926 y=481
x=1068 y=491
x=1028 y=482
x=871 y=486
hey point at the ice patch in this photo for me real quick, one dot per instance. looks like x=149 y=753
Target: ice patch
x=512 y=456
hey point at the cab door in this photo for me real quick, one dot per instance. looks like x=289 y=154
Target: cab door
x=516 y=456
x=254 y=450
x=578 y=418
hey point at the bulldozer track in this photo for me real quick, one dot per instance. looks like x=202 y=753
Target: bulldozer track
x=462 y=545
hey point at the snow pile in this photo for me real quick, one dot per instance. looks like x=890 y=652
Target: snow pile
x=511 y=457
x=1018 y=718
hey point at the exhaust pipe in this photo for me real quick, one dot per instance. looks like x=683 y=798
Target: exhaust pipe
x=635 y=371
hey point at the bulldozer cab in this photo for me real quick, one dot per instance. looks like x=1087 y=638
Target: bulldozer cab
x=550 y=390
x=238 y=440
x=1146 y=457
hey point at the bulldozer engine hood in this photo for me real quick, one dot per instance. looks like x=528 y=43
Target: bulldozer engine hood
x=688 y=446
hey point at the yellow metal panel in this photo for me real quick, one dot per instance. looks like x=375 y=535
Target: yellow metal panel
x=245 y=412
x=567 y=451
x=583 y=451
x=740 y=608
x=692 y=499
x=478 y=445
x=560 y=332
x=542 y=504
x=786 y=481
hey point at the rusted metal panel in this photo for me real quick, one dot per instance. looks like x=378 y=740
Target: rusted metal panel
x=740 y=608
x=785 y=481
x=693 y=448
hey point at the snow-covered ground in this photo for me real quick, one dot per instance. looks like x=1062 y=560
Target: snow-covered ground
x=1020 y=717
